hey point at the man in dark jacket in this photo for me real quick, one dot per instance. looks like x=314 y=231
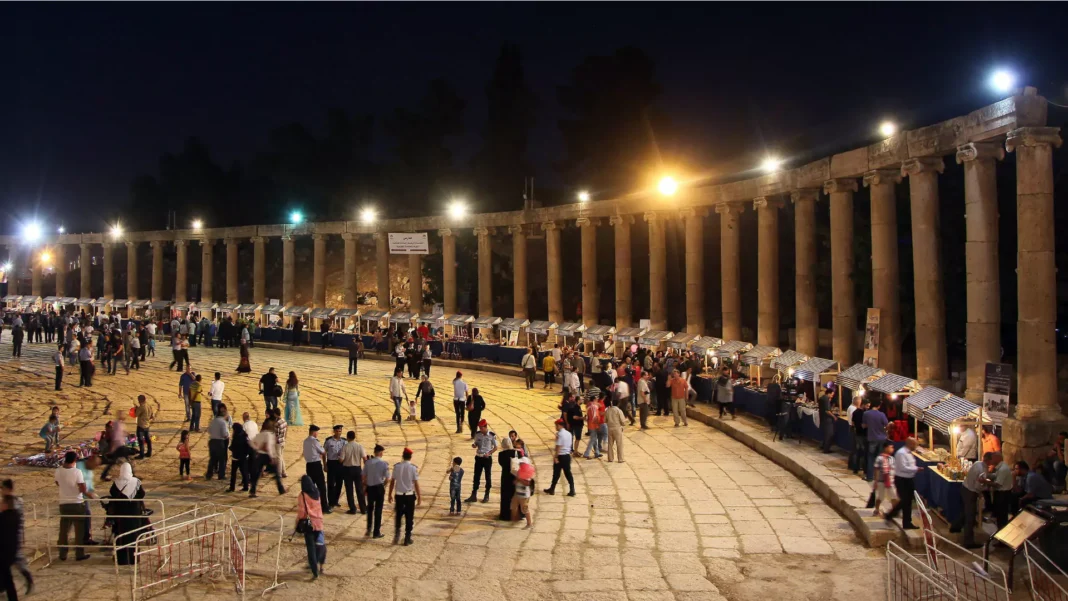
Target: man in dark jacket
x=354 y=355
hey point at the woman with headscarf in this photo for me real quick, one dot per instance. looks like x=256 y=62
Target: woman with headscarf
x=244 y=367
x=504 y=459
x=125 y=513
x=240 y=450
x=310 y=508
x=426 y=406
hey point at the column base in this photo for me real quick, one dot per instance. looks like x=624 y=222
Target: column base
x=1031 y=438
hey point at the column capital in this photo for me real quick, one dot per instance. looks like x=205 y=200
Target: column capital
x=879 y=177
x=287 y=237
x=587 y=222
x=803 y=194
x=445 y=232
x=763 y=202
x=549 y=226
x=834 y=186
x=350 y=236
x=207 y=242
x=516 y=229
x=232 y=241
x=379 y=236
x=691 y=212
x=106 y=245
x=179 y=243
x=974 y=151
x=130 y=244
x=922 y=164
x=258 y=239
x=652 y=216
x=725 y=208
x=155 y=244
x=1033 y=136
x=621 y=220
x=318 y=237
x=483 y=231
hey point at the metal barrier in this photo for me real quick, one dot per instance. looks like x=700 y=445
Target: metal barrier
x=908 y=578
x=236 y=554
x=1044 y=585
x=174 y=554
x=264 y=534
x=979 y=580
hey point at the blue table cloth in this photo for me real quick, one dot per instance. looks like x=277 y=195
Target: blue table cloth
x=751 y=401
x=941 y=494
x=703 y=387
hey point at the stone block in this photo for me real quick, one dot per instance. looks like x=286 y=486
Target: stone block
x=1030 y=439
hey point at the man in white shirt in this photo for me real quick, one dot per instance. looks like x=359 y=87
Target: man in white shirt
x=905 y=469
x=404 y=489
x=971 y=491
x=968 y=444
x=215 y=393
x=397 y=393
x=1003 y=481
x=72 y=491
x=644 y=400
x=556 y=353
x=251 y=428
x=352 y=457
x=562 y=458
x=459 y=400
x=530 y=368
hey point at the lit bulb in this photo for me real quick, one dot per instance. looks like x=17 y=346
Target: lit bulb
x=32 y=231
x=887 y=129
x=197 y=224
x=668 y=186
x=1003 y=81
x=771 y=165
x=116 y=230
x=584 y=196
x=61 y=229
x=296 y=217
x=367 y=215
x=457 y=209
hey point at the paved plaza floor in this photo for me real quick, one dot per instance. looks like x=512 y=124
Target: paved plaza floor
x=691 y=515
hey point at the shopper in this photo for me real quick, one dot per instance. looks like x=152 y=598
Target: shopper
x=562 y=459
x=679 y=388
x=459 y=400
x=530 y=368
x=72 y=492
x=905 y=469
x=310 y=512
x=144 y=416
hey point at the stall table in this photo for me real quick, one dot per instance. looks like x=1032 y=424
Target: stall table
x=940 y=493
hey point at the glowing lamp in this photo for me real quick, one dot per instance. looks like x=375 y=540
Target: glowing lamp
x=584 y=196
x=198 y=224
x=1003 y=81
x=457 y=209
x=116 y=230
x=32 y=231
x=771 y=165
x=668 y=186
x=296 y=217
x=887 y=129
x=367 y=215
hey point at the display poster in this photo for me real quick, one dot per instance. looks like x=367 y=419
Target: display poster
x=274 y=301
x=645 y=324
x=409 y=244
x=997 y=383
x=513 y=338
x=871 y=338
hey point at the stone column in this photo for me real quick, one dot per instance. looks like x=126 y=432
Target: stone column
x=415 y=283
x=981 y=259
x=207 y=271
x=259 y=270
x=730 y=269
x=485 y=271
x=289 y=266
x=349 y=286
x=591 y=297
x=157 y=270
x=520 y=295
x=624 y=302
x=12 y=275
x=109 y=271
x=319 y=270
x=382 y=270
x=232 y=250
x=86 y=271
x=36 y=271
x=657 y=272
x=448 y=271
x=885 y=272
x=553 y=271
x=843 y=296
x=131 y=270
x=1029 y=433
x=695 y=270
x=767 y=270
x=806 y=311
x=181 y=286
x=61 y=270
x=927 y=267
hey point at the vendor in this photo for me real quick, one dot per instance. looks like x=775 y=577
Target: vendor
x=967 y=444
x=991 y=443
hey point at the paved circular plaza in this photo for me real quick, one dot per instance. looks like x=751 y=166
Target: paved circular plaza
x=692 y=514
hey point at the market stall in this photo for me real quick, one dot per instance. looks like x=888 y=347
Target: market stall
x=374 y=320
x=291 y=314
x=894 y=389
x=403 y=321
x=316 y=317
x=940 y=484
x=485 y=328
x=435 y=323
x=11 y=302
x=29 y=304
x=624 y=338
x=346 y=320
x=786 y=363
x=100 y=305
x=158 y=310
x=731 y=350
x=122 y=306
x=50 y=303
x=915 y=404
x=706 y=347
x=852 y=381
x=598 y=338
x=757 y=358
x=681 y=342
x=461 y=327
x=510 y=328
x=270 y=317
x=247 y=312
x=68 y=303
x=540 y=330
x=654 y=340
x=223 y=310
x=138 y=308
x=569 y=332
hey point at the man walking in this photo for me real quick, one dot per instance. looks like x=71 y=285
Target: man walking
x=679 y=387
x=530 y=368
x=905 y=469
x=404 y=489
x=144 y=421
x=614 y=418
x=314 y=453
x=643 y=399
x=57 y=359
x=269 y=389
x=352 y=457
x=398 y=394
x=218 y=439
x=185 y=383
x=85 y=364
x=827 y=419
x=874 y=424
x=216 y=392
x=375 y=475
x=562 y=459
x=485 y=446
x=72 y=491
x=334 y=472
x=354 y=356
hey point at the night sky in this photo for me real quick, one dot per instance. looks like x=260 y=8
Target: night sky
x=93 y=94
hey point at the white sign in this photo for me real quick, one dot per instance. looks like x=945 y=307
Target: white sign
x=409 y=244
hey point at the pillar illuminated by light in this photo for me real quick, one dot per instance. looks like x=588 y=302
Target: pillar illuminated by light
x=668 y=186
x=367 y=215
x=198 y=224
x=887 y=129
x=296 y=217
x=771 y=165
x=457 y=209
x=32 y=231
x=584 y=196
x=1003 y=81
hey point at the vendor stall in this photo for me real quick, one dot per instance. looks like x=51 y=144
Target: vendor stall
x=291 y=314
x=374 y=320
x=316 y=317
x=183 y=310
x=706 y=347
x=461 y=327
x=223 y=310
x=787 y=362
x=654 y=339
x=403 y=321
x=100 y=305
x=733 y=349
x=894 y=389
x=485 y=328
x=624 y=338
x=68 y=303
x=854 y=379
x=435 y=323
x=568 y=332
x=509 y=328
x=756 y=358
x=915 y=405
x=158 y=310
x=122 y=306
x=138 y=308
x=346 y=320
x=940 y=484
x=30 y=304
x=598 y=338
x=11 y=302
x=540 y=330
x=85 y=304
x=50 y=303
x=271 y=316
x=247 y=312
x=681 y=342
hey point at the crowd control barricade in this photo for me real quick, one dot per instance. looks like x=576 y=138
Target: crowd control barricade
x=975 y=578
x=1046 y=578
x=97 y=520
x=181 y=551
x=909 y=578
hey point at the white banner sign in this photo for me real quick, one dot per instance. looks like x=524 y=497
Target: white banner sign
x=409 y=244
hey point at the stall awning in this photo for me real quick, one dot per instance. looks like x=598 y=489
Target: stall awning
x=140 y=304
x=202 y=306
x=787 y=360
x=706 y=344
x=942 y=415
x=68 y=300
x=402 y=317
x=12 y=298
x=51 y=300
x=183 y=306
x=321 y=313
x=760 y=354
x=459 y=320
x=272 y=310
x=733 y=346
x=859 y=374
x=249 y=308
x=227 y=307
x=570 y=328
x=100 y=302
x=156 y=306
x=430 y=318
x=374 y=315
x=921 y=401
x=811 y=370
x=893 y=383
x=25 y=305
x=599 y=332
x=681 y=341
x=541 y=327
x=346 y=313
x=120 y=303
x=513 y=324
x=88 y=302
x=486 y=322
x=295 y=311
x=628 y=334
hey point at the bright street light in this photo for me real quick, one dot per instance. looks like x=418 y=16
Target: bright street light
x=771 y=165
x=367 y=215
x=197 y=224
x=887 y=129
x=46 y=258
x=584 y=196
x=7 y=267
x=457 y=209
x=1003 y=81
x=32 y=231
x=116 y=230
x=668 y=186
x=61 y=229
x=296 y=217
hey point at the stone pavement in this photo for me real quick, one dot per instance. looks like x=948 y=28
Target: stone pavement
x=692 y=514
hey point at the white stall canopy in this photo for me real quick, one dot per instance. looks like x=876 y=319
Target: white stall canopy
x=513 y=324
x=681 y=341
x=598 y=333
x=272 y=310
x=541 y=327
x=321 y=313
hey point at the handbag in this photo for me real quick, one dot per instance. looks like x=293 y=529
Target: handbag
x=304 y=525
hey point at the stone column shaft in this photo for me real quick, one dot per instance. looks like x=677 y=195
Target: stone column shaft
x=520 y=294
x=289 y=267
x=485 y=271
x=553 y=271
x=382 y=270
x=695 y=271
x=131 y=270
x=806 y=311
x=927 y=268
x=730 y=269
x=885 y=270
x=352 y=242
x=981 y=259
x=319 y=271
x=61 y=270
x=232 y=250
x=36 y=272
x=86 y=269
x=259 y=270
x=448 y=271
x=415 y=283
x=109 y=271
x=843 y=297
x=207 y=271
x=624 y=302
x=657 y=272
x=181 y=286
x=157 y=270
x=767 y=270
x=12 y=275
x=591 y=297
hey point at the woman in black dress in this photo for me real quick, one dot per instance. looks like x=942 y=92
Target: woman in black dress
x=475 y=405
x=125 y=512
x=504 y=459
x=426 y=406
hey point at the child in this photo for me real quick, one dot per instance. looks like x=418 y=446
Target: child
x=456 y=477
x=884 y=478
x=50 y=433
x=524 y=487
x=151 y=346
x=411 y=409
x=183 y=456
